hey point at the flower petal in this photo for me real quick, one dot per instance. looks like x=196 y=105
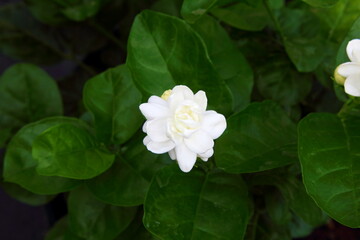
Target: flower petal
x=178 y=95
x=146 y=140
x=349 y=68
x=184 y=91
x=185 y=157
x=157 y=100
x=200 y=98
x=153 y=110
x=206 y=155
x=172 y=154
x=160 y=147
x=199 y=142
x=213 y=123
x=352 y=85
x=353 y=50
x=156 y=130
x=144 y=127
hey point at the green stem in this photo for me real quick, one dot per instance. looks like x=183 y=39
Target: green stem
x=353 y=102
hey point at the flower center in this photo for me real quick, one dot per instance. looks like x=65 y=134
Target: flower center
x=166 y=94
x=186 y=119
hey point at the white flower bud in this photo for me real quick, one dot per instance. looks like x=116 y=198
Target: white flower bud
x=178 y=123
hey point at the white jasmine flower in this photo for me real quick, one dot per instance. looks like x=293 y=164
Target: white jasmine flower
x=178 y=123
x=348 y=74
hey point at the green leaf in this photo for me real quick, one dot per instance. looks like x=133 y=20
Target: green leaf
x=293 y=191
x=57 y=11
x=228 y=61
x=20 y=167
x=61 y=231
x=321 y=3
x=24 y=196
x=193 y=10
x=27 y=94
x=277 y=208
x=136 y=230
x=243 y=16
x=196 y=205
x=80 y=10
x=300 y=202
x=114 y=101
x=343 y=15
x=23 y=38
x=46 y=11
x=127 y=181
x=93 y=220
x=259 y=138
x=303 y=35
x=329 y=155
x=278 y=80
x=164 y=51
x=70 y=151
x=354 y=33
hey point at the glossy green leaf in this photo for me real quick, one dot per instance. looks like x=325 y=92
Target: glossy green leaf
x=27 y=94
x=20 y=167
x=193 y=10
x=343 y=15
x=260 y=137
x=329 y=155
x=114 y=101
x=354 y=33
x=70 y=151
x=93 y=220
x=321 y=3
x=164 y=51
x=228 y=61
x=196 y=205
x=25 y=196
x=23 y=38
x=127 y=181
x=278 y=80
x=61 y=231
x=243 y=16
x=304 y=37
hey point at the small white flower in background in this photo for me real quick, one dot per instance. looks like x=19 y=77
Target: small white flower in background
x=348 y=74
x=178 y=123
